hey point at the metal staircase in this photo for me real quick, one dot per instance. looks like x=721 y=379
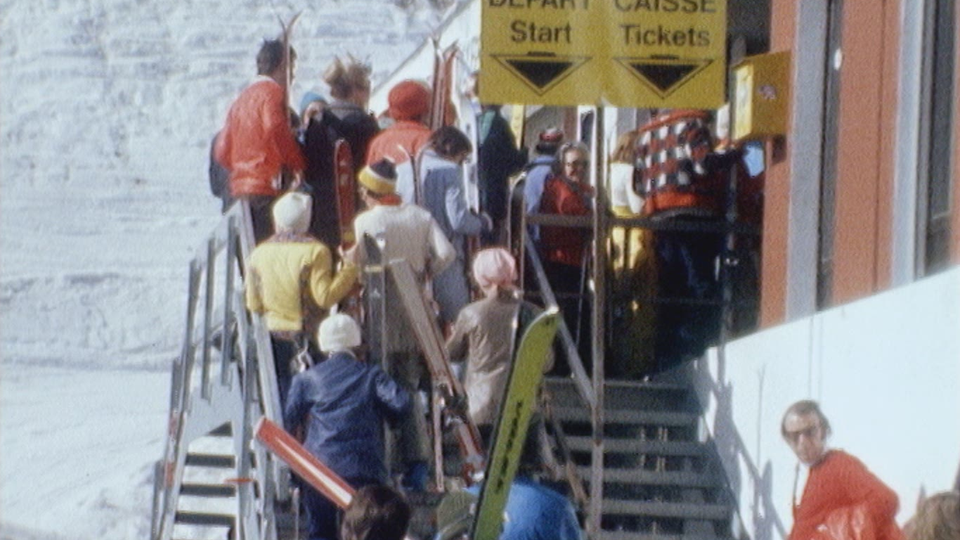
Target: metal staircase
x=660 y=480
x=213 y=481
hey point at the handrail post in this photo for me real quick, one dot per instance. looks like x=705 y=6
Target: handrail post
x=226 y=339
x=598 y=314
x=211 y=267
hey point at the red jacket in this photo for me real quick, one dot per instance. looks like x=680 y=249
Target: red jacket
x=563 y=244
x=838 y=481
x=256 y=140
x=411 y=136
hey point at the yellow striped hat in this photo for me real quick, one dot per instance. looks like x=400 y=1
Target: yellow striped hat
x=380 y=178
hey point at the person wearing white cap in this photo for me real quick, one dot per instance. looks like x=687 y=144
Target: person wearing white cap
x=290 y=282
x=341 y=404
x=404 y=231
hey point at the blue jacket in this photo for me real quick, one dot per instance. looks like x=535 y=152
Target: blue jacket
x=538 y=170
x=536 y=512
x=342 y=403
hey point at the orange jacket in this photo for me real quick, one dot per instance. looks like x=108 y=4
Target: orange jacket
x=409 y=135
x=841 y=481
x=256 y=140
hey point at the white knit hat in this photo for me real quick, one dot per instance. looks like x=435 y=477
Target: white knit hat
x=338 y=332
x=292 y=212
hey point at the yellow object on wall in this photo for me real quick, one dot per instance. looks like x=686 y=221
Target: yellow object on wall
x=762 y=96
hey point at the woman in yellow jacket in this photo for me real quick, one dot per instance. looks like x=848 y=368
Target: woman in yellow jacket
x=290 y=282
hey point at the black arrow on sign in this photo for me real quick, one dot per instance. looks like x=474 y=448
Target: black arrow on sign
x=664 y=74
x=541 y=71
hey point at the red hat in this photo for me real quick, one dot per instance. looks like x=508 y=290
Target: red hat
x=408 y=100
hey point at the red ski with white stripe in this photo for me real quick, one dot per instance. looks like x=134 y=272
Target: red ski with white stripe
x=302 y=462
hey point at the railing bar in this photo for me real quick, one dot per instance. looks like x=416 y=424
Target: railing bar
x=205 y=389
x=226 y=341
x=579 y=374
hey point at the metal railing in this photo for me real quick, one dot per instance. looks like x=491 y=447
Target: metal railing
x=244 y=389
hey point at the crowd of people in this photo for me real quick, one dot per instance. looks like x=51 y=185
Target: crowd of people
x=337 y=392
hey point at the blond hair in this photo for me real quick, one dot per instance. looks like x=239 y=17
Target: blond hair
x=625 y=150
x=345 y=77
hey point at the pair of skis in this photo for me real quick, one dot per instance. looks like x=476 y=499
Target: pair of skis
x=342 y=157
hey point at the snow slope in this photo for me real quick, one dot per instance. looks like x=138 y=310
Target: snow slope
x=106 y=112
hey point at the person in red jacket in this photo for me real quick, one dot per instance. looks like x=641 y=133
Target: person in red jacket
x=408 y=106
x=838 y=485
x=564 y=249
x=257 y=141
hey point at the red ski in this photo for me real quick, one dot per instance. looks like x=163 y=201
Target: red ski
x=346 y=191
x=302 y=462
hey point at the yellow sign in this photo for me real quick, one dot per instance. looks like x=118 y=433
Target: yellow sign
x=628 y=53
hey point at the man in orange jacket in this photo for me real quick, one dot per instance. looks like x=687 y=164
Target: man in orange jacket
x=838 y=486
x=257 y=141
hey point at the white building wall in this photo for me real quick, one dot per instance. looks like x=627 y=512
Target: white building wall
x=886 y=371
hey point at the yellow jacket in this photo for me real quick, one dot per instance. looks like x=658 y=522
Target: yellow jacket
x=284 y=270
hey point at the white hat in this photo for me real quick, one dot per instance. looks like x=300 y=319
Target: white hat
x=292 y=212
x=338 y=332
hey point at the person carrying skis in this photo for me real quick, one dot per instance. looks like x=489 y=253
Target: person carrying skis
x=349 y=84
x=442 y=193
x=341 y=404
x=290 y=281
x=404 y=231
x=408 y=107
x=257 y=141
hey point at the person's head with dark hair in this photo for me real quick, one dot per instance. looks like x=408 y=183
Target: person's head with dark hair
x=549 y=141
x=937 y=518
x=376 y=513
x=451 y=143
x=270 y=58
x=349 y=81
x=806 y=428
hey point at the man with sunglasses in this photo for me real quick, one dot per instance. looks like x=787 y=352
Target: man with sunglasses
x=839 y=492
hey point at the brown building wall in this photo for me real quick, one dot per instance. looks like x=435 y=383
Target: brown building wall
x=868 y=89
x=955 y=207
x=776 y=220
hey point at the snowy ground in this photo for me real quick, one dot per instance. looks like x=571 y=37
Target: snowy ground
x=106 y=112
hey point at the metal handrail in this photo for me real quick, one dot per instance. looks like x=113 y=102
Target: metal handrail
x=244 y=348
x=578 y=372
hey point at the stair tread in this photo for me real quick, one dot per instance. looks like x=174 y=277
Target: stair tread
x=628 y=416
x=630 y=535
x=208 y=489
x=213 y=519
x=683 y=510
x=675 y=478
x=224 y=461
x=654 y=447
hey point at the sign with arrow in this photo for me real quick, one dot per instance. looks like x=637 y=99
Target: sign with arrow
x=627 y=53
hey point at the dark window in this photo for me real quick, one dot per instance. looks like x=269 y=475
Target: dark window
x=828 y=167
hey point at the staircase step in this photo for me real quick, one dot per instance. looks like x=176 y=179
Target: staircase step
x=222 y=461
x=712 y=512
x=629 y=395
x=658 y=478
x=629 y=535
x=203 y=518
x=225 y=430
x=208 y=490
x=655 y=418
x=636 y=446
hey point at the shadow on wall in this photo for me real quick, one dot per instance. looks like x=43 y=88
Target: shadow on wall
x=761 y=521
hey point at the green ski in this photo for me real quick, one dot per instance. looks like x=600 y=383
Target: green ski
x=511 y=429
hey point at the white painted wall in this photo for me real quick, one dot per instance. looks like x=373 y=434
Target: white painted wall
x=886 y=371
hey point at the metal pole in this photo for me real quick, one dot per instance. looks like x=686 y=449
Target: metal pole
x=598 y=314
